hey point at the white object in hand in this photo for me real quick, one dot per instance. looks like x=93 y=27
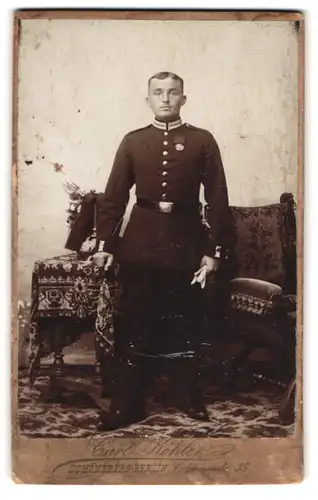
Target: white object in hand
x=200 y=276
x=102 y=259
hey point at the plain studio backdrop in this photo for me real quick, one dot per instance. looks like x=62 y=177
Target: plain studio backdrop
x=82 y=86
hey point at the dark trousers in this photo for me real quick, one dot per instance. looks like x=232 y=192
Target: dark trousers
x=160 y=312
x=160 y=323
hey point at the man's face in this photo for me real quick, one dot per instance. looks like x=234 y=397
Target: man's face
x=165 y=98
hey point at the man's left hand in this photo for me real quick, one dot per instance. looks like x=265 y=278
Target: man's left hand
x=212 y=265
x=207 y=266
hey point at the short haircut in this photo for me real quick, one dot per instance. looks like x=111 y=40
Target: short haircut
x=162 y=75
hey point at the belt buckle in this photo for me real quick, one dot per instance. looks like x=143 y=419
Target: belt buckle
x=165 y=206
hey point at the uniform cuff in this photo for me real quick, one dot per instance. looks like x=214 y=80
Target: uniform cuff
x=216 y=252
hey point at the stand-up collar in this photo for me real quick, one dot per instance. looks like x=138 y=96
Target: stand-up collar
x=167 y=125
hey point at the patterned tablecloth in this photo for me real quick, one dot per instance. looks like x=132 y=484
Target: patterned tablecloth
x=71 y=295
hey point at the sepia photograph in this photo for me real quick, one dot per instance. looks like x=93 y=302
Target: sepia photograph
x=157 y=163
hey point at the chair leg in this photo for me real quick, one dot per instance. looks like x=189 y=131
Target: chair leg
x=287 y=408
x=98 y=364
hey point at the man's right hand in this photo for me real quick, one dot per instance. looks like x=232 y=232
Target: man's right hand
x=103 y=259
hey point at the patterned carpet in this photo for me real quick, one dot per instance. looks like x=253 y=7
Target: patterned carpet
x=252 y=413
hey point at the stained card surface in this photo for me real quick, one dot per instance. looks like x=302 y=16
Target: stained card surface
x=157 y=168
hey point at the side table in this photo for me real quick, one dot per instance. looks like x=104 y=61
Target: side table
x=69 y=297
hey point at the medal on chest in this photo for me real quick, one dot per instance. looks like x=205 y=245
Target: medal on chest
x=179 y=142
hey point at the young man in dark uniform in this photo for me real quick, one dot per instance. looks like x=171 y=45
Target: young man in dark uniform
x=163 y=246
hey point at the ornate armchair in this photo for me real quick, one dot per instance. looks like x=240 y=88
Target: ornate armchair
x=259 y=281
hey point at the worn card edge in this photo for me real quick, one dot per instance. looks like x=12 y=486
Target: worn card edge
x=158 y=15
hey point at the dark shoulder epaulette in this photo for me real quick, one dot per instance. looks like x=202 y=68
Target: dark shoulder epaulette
x=203 y=130
x=138 y=130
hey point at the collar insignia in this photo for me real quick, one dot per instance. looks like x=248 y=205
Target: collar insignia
x=167 y=126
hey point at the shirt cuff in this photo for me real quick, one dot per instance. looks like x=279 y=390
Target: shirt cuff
x=101 y=246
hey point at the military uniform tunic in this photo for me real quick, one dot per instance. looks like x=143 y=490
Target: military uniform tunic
x=166 y=162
